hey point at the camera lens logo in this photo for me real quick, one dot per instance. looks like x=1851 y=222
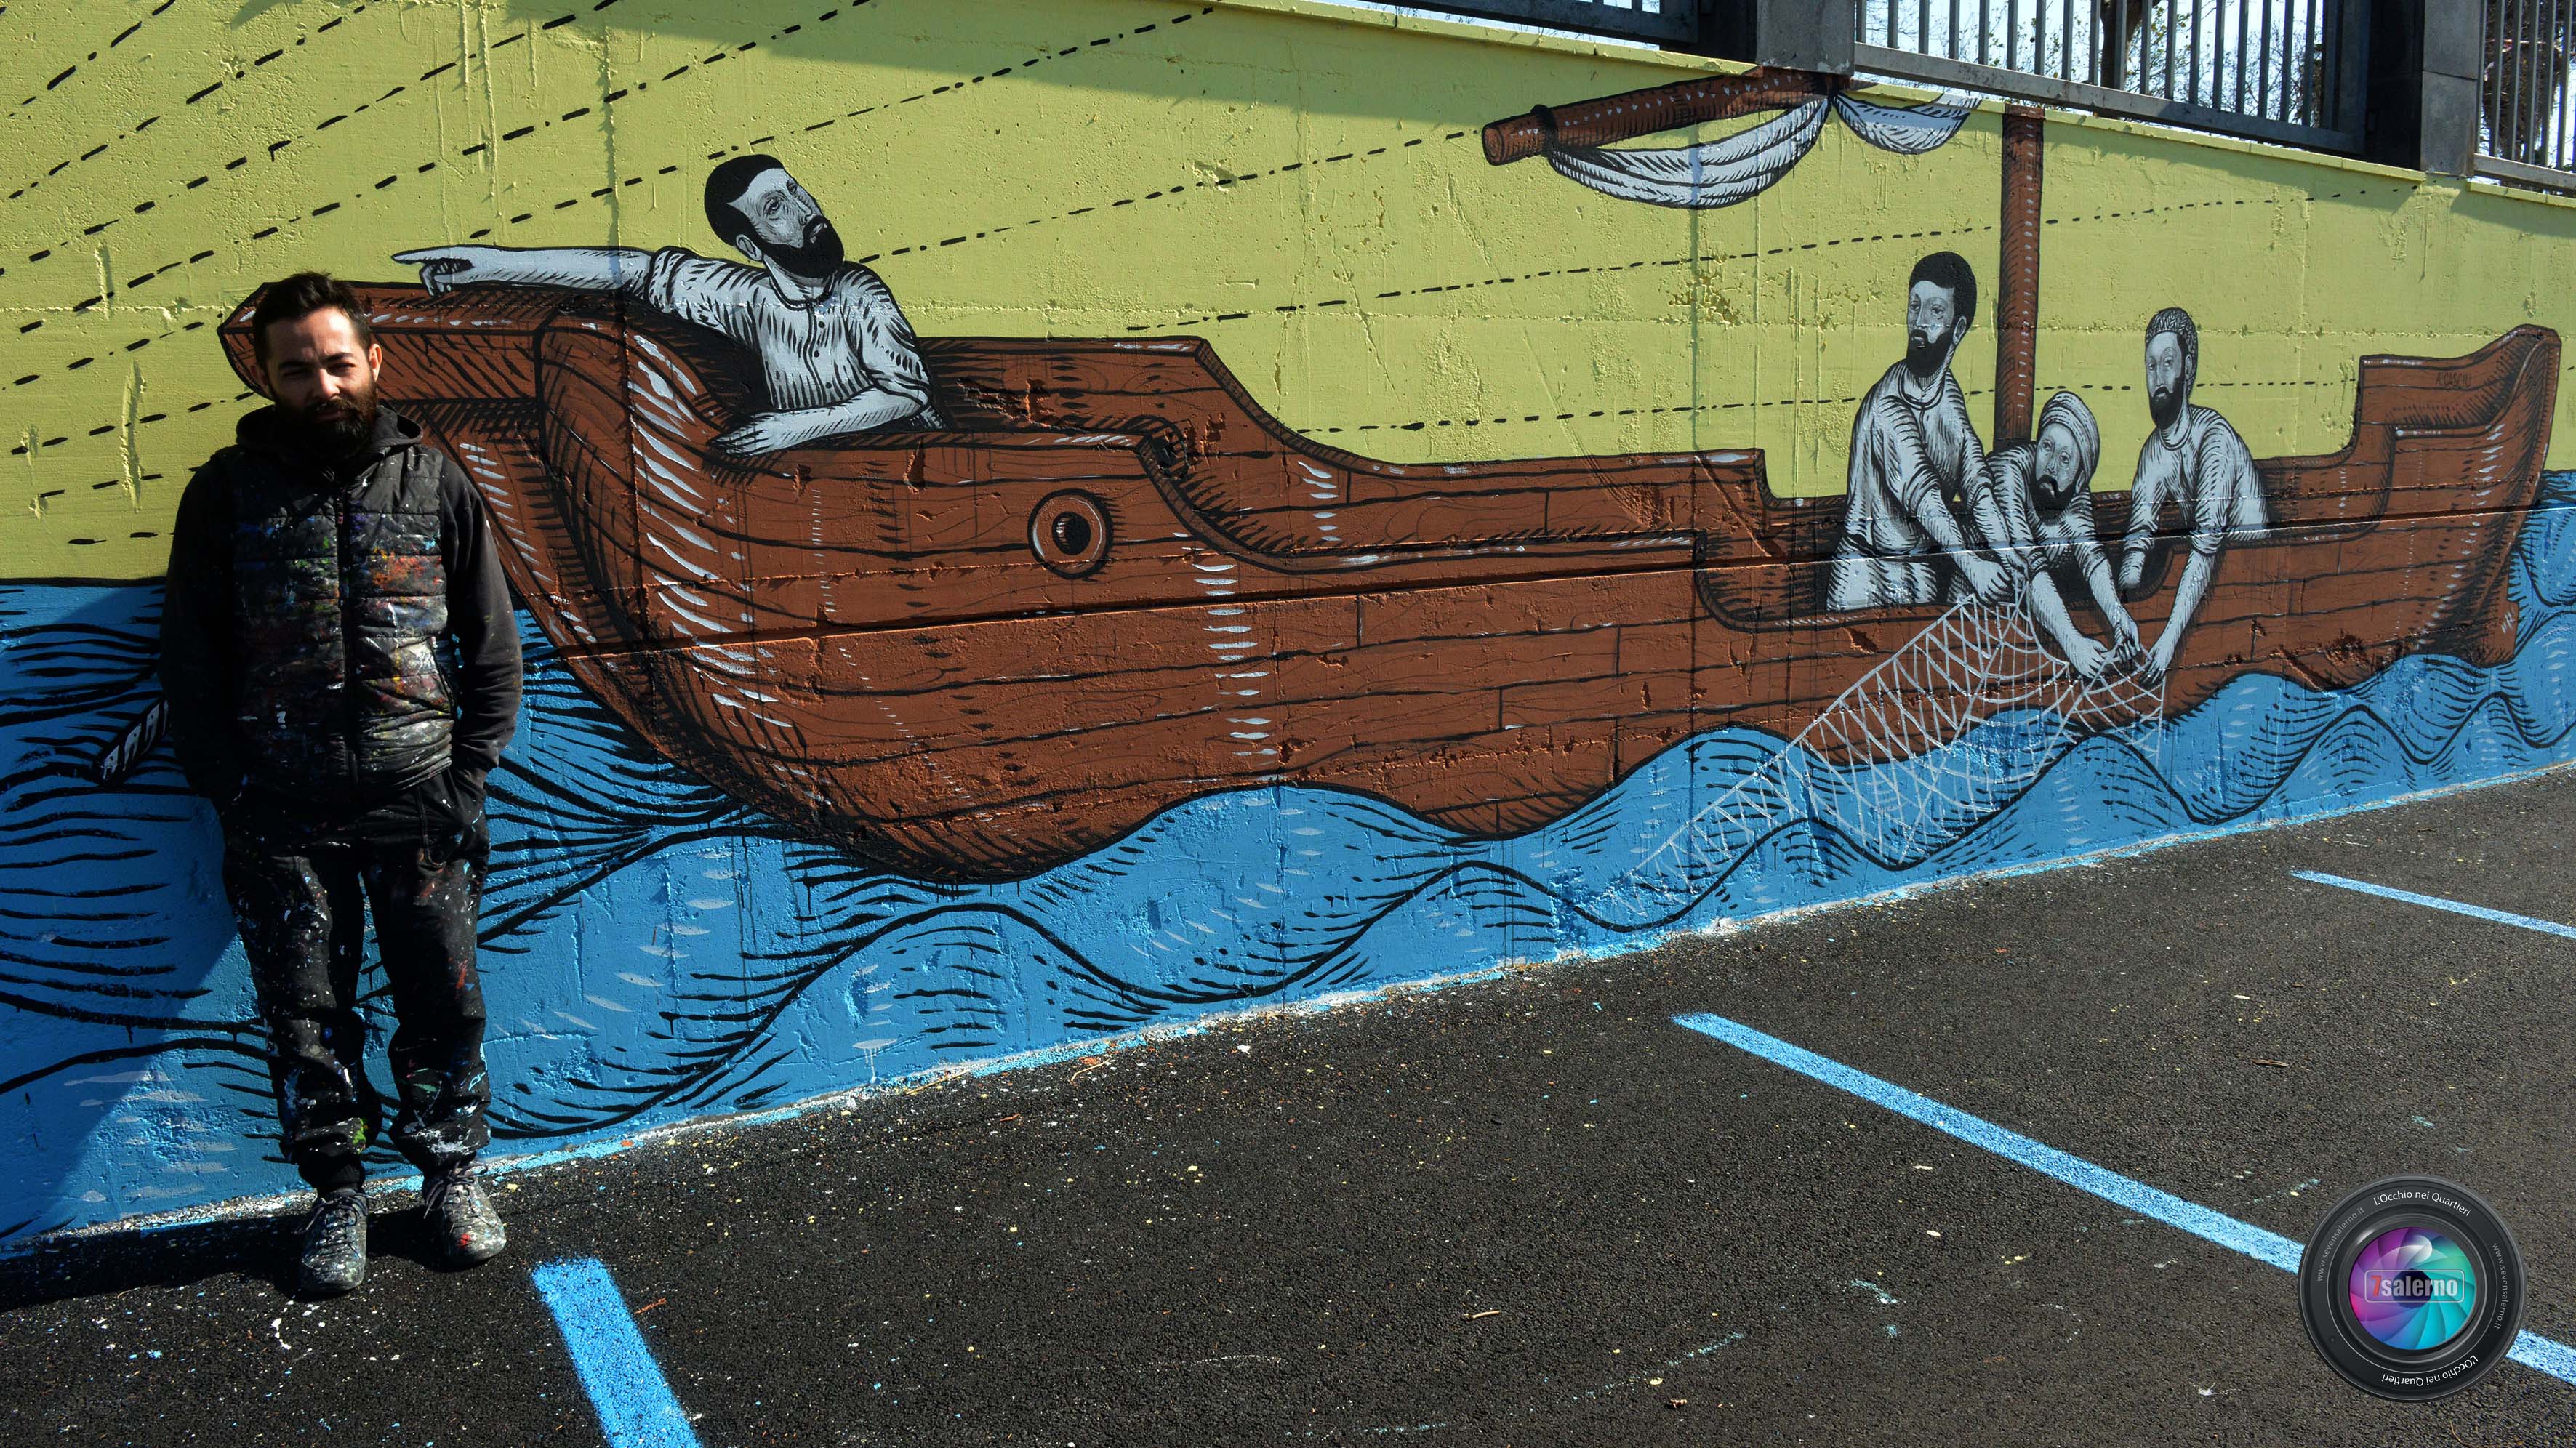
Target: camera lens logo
x=2412 y=1288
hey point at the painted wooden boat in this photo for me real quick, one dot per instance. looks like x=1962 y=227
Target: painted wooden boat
x=1118 y=583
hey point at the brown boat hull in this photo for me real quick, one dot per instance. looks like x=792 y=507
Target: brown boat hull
x=882 y=642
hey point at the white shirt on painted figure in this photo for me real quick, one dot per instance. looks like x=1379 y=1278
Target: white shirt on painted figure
x=2205 y=470
x=1912 y=449
x=850 y=340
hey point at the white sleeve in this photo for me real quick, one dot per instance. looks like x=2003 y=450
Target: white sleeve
x=887 y=348
x=721 y=296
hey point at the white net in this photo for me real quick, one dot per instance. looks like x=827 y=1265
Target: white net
x=1932 y=742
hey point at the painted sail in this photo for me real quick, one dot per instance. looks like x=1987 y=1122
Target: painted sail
x=1733 y=168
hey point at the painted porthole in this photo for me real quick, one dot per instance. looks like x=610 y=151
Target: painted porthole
x=1070 y=533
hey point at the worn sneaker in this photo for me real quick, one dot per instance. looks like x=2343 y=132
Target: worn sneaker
x=335 y=1245
x=460 y=1215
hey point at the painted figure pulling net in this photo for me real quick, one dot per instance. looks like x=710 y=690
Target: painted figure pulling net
x=1938 y=738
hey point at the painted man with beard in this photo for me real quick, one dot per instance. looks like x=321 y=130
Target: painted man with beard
x=1913 y=452
x=342 y=670
x=834 y=348
x=2031 y=511
x=2196 y=462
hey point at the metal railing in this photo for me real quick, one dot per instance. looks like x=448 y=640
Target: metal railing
x=2291 y=71
x=2526 y=117
x=1666 y=22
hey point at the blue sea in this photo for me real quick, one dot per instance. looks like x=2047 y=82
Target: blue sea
x=654 y=951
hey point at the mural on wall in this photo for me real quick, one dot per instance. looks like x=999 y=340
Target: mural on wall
x=897 y=700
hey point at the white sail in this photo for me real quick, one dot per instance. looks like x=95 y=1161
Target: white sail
x=1713 y=173
x=1906 y=130
x=1733 y=168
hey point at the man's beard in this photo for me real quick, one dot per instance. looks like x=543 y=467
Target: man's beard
x=338 y=427
x=815 y=256
x=1925 y=356
x=2055 y=492
x=2164 y=404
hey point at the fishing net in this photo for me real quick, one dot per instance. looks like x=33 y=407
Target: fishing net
x=1931 y=743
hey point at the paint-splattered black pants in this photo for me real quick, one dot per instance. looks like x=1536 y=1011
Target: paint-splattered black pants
x=297 y=894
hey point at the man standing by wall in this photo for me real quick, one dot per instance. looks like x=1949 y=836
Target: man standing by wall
x=1913 y=451
x=2195 y=460
x=342 y=668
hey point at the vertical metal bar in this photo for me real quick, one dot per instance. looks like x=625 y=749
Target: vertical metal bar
x=1985 y=24
x=2498 y=67
x=2012 y=34
x=1922 y=25
x=2197 y=6
x=2263 y=64
x=2546 y=84
x=2523 y=81
x=2066 y=41
x=2544 y=81
x=2525 y=76
x=2352 y=72
x=2316 y=63
x=2559 y=76
x=2169 y=49
x=2239 y=103
x=1952 y=46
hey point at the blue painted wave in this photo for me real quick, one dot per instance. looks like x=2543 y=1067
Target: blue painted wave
x=655 y=951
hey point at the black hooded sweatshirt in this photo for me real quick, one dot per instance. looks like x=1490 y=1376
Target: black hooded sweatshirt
x=348 y=641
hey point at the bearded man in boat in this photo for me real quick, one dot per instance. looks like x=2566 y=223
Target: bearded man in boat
x=2195 y=461
x=835 y=351
x=2030 y=512
x=1913 y=453
x=341 y=664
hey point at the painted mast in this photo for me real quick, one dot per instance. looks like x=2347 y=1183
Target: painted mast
x=2017 y=295
x=1612 y=119
x=1625 y=117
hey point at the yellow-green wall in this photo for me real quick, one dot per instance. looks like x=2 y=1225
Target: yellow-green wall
x=1103 y=167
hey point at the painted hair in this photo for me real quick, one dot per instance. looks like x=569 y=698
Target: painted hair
x=1949 y=271
x=301 y=295
x=725 y=185
x=2177 y=322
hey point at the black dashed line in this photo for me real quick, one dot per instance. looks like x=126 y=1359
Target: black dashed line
x=1571 y=271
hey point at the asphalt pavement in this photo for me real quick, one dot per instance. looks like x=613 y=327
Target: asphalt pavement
x=1527 y=1210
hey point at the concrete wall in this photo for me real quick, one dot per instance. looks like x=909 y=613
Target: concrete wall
x=1311 y=724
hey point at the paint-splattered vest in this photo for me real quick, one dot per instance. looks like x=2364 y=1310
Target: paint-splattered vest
x=339 y=598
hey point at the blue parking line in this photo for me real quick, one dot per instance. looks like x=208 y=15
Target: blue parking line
x=2529 y=1349
x=636 y=1409
x=2436 y=902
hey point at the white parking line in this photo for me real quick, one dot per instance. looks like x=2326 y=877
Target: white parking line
x=2436 y=902
x=2530 y=1349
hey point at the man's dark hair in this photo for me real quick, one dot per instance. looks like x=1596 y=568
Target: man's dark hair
x=725 y=185
x=301 y=295
x=1949 y=271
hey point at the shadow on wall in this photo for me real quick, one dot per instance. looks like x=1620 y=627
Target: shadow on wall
x=949 y=52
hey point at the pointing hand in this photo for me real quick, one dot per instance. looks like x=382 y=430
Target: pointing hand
x=445 y=267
